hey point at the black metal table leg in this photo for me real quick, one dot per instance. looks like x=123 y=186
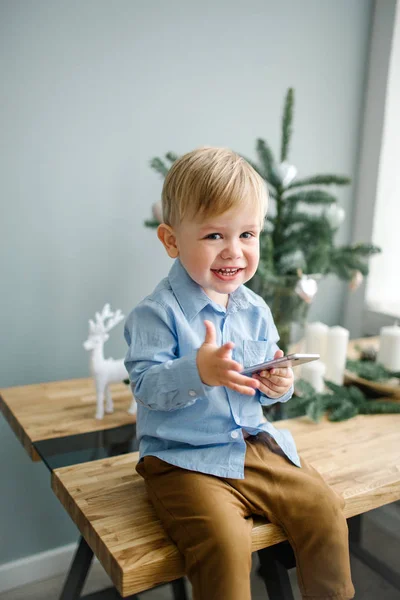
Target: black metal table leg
x=355 y=536
x=274 y=563
x=78 y=572
x=179 y=589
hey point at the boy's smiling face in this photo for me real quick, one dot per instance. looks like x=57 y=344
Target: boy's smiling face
x=219 y=253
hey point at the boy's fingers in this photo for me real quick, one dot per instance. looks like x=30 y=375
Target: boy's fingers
x=225 y=350
x=231 y=365
x=241 y=382
x=279 y=354
x=211 y=336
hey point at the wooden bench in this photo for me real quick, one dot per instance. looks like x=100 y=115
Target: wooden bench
x=107 y=500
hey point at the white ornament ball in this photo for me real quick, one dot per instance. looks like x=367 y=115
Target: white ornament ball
x=306 y=288
x=356 y=280
x=335 y=215
x=287 y=173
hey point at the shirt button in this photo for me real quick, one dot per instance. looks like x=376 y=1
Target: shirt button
x=234 y=434
x=192 y=393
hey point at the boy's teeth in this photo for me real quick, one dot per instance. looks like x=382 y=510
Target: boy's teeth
x=228 y=271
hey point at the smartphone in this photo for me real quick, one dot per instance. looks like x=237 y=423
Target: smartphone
x=290 y=360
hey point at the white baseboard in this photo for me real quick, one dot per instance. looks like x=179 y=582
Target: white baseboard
x=29 y=569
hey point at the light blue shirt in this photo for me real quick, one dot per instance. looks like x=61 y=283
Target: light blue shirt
x=180 y=419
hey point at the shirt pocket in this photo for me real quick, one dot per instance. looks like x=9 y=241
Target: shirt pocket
x=254 y=352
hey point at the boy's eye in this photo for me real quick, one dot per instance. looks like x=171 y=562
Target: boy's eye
x=247 y=235
x=213 y=236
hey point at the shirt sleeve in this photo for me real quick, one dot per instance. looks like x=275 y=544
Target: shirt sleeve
x=273 y=339
x=159 y=379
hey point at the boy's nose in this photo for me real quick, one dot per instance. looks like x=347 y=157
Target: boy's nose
x=232 y=250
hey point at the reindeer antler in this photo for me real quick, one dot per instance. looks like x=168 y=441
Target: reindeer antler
x=112 y=318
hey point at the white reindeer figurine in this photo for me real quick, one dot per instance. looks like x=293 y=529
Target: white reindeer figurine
x=105 y=370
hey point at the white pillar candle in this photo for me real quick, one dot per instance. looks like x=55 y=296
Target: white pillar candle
x=314 y=373
x=316 y=339
x=389 y=347
x=336 y=353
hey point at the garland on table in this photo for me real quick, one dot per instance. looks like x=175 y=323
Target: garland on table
x=370 y=370
x=344 y=402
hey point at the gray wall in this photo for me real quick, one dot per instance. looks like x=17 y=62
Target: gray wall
x=91 y=91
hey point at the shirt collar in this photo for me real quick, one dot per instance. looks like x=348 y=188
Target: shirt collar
x=193 y=299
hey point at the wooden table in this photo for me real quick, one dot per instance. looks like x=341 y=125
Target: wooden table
x=60 y=408
x=107 y=500
x=54 y=412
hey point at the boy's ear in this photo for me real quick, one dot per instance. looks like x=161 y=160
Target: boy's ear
x=167 y=237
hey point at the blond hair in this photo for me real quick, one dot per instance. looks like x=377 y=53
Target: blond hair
x=209 y=181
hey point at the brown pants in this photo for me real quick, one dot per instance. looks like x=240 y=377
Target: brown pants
x=209 y=519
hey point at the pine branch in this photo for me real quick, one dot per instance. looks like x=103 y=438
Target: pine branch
x=267 y=161
x=315 y=410
x=343 y=412
x=304 y=388
x=152 y=223
x=318 y=258
x=321 y=180
x=347 y=259
x=376 y=407
x=171 y=156
x=343 y=403
x=158 y=165
x=361 y=249
x=311 y=197
x=334 y=387
x=287 y=124
x=370 y=370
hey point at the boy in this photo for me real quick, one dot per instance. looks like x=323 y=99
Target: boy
x=209 y=459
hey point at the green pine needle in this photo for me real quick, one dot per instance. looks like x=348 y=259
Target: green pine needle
x=314 y=197
x=158 y=165
x=343 y=412
x=171 y=156
x=321 y=180
x=377 y=407
x=151 y=223
x=344 y=403
x=370 y=370
x=267 y=163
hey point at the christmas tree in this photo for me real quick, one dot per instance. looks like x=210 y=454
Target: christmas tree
x=297 y=245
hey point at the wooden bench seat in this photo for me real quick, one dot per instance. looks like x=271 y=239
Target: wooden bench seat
x=107 y=500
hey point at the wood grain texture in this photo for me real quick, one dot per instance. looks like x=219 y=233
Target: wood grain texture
x=59 y=408
x=360 y=458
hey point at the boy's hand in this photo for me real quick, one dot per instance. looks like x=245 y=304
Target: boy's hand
x=216 y=366
x=275 y=382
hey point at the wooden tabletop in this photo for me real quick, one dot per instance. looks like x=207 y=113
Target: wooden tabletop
x=107 y=499
x=60 y=408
